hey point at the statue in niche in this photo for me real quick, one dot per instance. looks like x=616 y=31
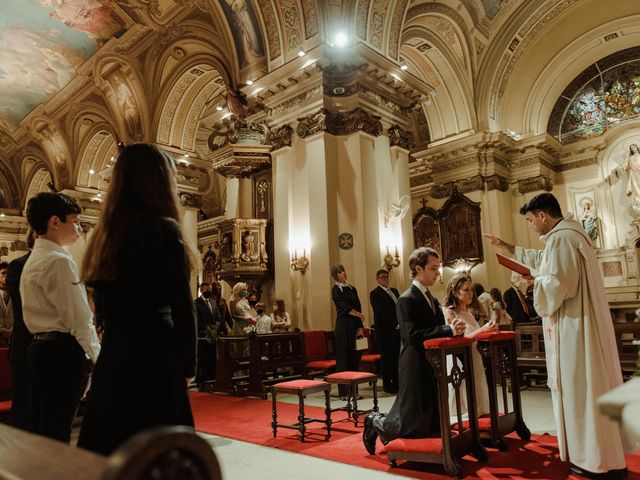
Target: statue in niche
x=632 y=167
x=589 y=219
x=248 y=247
x=129 y=109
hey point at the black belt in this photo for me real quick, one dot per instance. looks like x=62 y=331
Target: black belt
x=51 y=336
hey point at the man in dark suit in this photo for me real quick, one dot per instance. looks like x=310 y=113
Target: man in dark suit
x=209 y=322
x=383 y=301
x=516 y=303
x=415 y=411
x=20 y=341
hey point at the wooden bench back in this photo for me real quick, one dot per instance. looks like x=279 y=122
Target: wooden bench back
x=5 y=374
x=529 y=341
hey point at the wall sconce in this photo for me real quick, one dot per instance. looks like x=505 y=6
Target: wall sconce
x=441 y=273
x=462 y=265
x=299 y=264
x=389 y=262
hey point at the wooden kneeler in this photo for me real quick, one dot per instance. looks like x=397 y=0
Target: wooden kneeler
x=498 y=350
x=451 y=445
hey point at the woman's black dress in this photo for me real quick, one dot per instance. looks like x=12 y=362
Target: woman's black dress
x=347 y=357
x=149 y=343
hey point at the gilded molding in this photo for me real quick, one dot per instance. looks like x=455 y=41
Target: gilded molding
x=237 y=132
x=310 y=18
x=280 y=137
x=577 y=164
x=422 y=179
x=400 y=138
x=534 y=184
x=312 y=124
x=346 y=123
x=271 y=24
x=453 y=164
x=470 y=184
x=396 y=28
x=292 y=102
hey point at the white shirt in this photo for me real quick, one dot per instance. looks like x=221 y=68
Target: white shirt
x=264 y=324
x=423 y=289
x=53 y=297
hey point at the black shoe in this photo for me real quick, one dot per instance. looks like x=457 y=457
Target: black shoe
x=370 y=434
x=611 y=474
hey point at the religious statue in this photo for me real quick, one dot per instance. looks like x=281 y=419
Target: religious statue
x=129 y=109
x=632 y=167
x=248 y=246
x=589 y=220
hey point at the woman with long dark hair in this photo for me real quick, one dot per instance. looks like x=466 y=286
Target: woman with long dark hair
x=139 y=265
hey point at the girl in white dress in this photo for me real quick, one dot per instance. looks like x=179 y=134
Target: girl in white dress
x=459 y=297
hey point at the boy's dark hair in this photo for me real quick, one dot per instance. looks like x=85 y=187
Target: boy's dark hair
x=420 y=256
x=4 y=265
x=382 y=271
x=48 y=204
x=260 y=307
x=545 y=202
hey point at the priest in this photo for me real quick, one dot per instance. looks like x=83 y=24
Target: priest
x=582 y=358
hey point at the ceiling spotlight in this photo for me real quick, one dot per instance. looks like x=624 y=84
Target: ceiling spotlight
x=113 y=159
x=249 y=82
x=404 y=67
x=341 y=40
x=2 y=214
x=219 y=108
x=99 y=194
x=186 y=155
x=396 y=76
x=92 y=171
x=301 y=53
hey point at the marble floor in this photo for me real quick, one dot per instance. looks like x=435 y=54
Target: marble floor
x=239 y=459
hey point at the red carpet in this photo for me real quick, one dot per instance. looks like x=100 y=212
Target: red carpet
x=249 y=420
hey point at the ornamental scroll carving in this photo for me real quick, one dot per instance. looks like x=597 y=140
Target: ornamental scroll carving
x=401 y=138
x=237 y=132
x=534 y=184
x=339 y=123
x=280 y=137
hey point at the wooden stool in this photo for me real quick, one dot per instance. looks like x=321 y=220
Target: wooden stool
x=498 y=350
x=301 y=388
x=353 y=379
x=450 y=446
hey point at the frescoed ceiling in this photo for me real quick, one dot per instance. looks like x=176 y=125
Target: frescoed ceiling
x=42 y=44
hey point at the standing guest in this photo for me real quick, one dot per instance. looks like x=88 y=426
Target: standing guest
x=57 y=313
x=226 y=322
x=484 y=299
x=349 y=325
x=280 y=321
x=515 y=302
x=20 y=340
x=144 y=305
x=415 y=412
x=208 y=319
x=383 y=301
x=581 y=353
x=6 y=308
x=499 y=314
x=457 y=306
x=529 y=299
x=263 y=324
x=240 y=309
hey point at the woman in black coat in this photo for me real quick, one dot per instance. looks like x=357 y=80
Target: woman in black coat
x=348 y=324
x=138 y=264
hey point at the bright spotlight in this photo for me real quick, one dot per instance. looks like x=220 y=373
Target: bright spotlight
x=301 y=53
x=403 y=67
x=341 y=39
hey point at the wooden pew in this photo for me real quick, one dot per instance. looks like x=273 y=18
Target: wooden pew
x=626 y=334
x=248 y=365
x=532 y=363
x=175 y=452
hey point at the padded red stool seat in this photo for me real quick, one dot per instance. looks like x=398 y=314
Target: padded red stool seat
x=301 y=388
x=353 y=379
x=498 y=351
x=450 y=445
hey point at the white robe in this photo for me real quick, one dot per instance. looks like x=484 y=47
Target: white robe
x=581 y=353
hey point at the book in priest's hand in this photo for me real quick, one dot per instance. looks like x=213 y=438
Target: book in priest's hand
x=516 y=266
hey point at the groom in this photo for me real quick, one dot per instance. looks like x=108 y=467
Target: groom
x=415 y=411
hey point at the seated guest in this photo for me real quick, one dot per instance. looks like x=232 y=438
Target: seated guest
x=484 y=299
x=145 y=305
x=414 y=413
x=241 y=310
x=457 y=306
x=264 y=321
x=515 y=302
x=280 y=321
x=499 y=314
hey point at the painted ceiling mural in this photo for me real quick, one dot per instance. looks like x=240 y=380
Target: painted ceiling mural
x=42 y=43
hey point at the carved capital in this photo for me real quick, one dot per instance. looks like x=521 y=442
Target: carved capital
x=346 y=123
x=280 y=137
x=442 y=191
x=401 y=138
x=312 y=124
x=497 y=182
x=239 y=132
x=470 y=184
x=534 y=184
x=190 y=200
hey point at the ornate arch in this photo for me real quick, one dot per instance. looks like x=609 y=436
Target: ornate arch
x=97 y=152
x=56 y=147
x=40 y=177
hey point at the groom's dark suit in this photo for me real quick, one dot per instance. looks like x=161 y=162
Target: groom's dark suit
x=415 y=411
x=387 y=332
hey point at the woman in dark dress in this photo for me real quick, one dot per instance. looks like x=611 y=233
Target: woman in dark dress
x=348 y=324
x=138 y=264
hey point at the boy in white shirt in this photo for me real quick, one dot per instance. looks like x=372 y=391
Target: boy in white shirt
x=264 y=320
x=56 y=312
